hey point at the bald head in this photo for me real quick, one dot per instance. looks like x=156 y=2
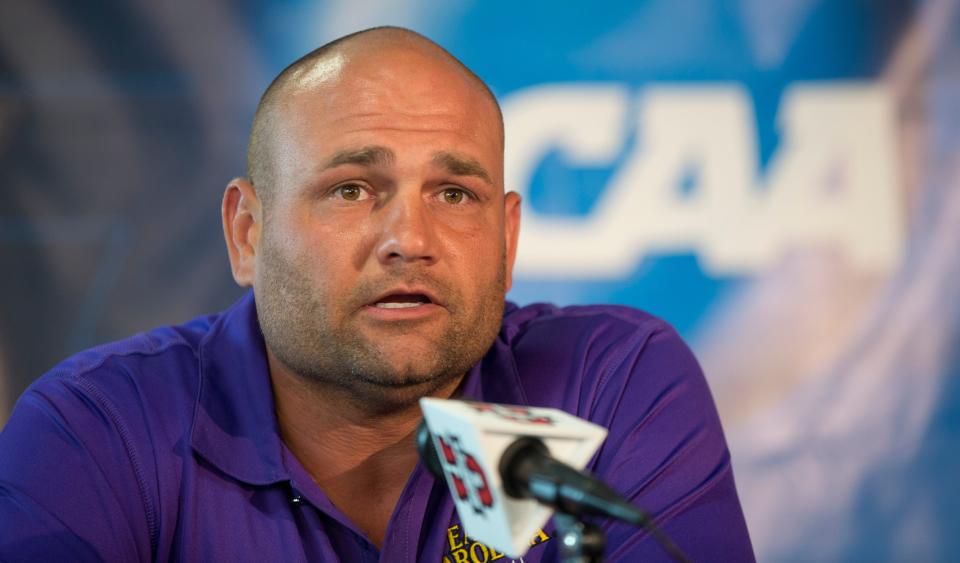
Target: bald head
x=353 y=59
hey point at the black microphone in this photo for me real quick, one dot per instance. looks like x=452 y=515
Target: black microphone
x=527 y=470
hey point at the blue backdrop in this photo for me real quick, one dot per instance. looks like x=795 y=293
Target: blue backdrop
x=778 y=179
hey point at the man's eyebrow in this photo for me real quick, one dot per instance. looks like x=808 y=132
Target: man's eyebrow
x=460 y=165
x=363 y=156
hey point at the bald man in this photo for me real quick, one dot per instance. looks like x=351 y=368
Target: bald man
x=378 y=241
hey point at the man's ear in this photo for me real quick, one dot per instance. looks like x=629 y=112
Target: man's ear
x=511 y=225
x=242 y=221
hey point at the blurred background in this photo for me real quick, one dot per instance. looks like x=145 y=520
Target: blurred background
x=780 y=180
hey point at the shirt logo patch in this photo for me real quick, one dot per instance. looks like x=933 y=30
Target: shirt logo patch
x=464 y=549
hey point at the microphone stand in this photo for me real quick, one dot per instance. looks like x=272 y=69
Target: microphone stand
x=580 y=541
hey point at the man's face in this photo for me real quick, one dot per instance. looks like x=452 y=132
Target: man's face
x=385 y=252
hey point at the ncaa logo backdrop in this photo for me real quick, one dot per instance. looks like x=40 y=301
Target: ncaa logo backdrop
x=778 y=179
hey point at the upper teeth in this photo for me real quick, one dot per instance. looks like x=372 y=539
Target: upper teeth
x=397 y=305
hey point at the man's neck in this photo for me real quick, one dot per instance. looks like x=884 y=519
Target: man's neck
x=361 y=460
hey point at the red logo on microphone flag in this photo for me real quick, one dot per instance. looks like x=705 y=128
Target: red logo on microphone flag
x=466 y=474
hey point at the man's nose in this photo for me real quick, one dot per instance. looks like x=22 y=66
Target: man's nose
x=407 y=233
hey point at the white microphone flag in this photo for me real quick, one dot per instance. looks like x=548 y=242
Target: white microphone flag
x=470 y=438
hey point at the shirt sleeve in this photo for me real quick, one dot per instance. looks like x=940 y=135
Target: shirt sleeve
x=70 y=489
x=666 y=452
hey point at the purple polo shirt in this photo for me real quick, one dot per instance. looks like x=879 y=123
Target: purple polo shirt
x=165 y=447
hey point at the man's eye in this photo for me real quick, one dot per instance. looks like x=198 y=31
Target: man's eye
x=454 y=196
x=351 y=192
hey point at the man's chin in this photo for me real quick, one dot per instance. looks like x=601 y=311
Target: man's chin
x=400 y=379
x=406 y=357
x=385 y=392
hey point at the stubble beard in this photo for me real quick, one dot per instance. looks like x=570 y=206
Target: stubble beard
x=300 y=332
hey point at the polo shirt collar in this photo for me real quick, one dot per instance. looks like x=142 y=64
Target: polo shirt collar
x=235 y=425
x=496 y=379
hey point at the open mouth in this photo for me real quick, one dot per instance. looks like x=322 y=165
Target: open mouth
x=402 y=301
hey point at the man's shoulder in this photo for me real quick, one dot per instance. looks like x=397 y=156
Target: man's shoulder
x=576 y=322
x=148 y=367
x=144 y=351
x=573 y=356
x=107 y=425
x=632 y=374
